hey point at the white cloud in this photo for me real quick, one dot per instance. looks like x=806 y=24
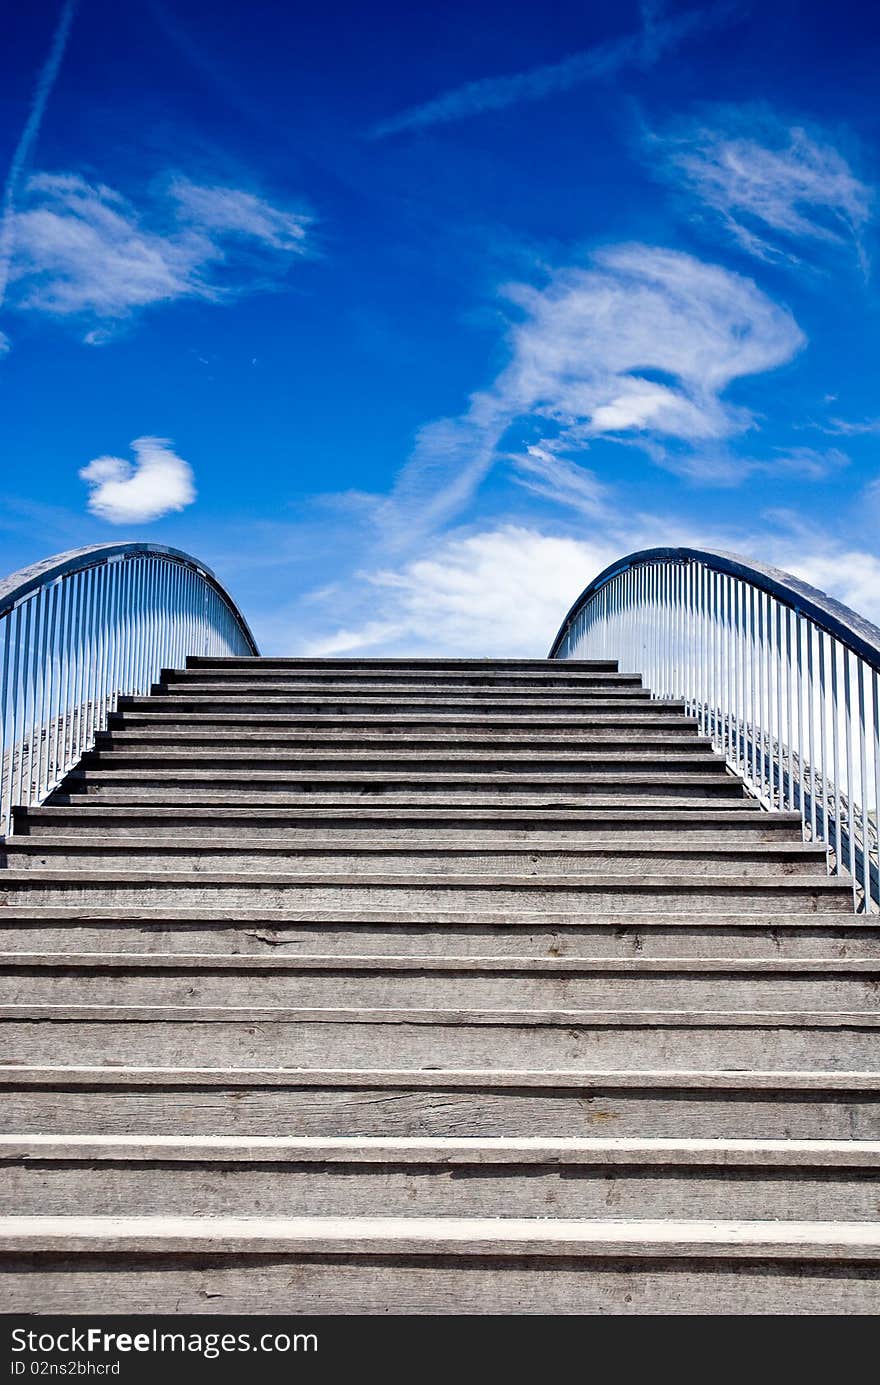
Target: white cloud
x=642 y=50
x=82 y=250
x=771 y=185
x=638 y=346
x=156 y=483
x=501 y=592
x=5 y=343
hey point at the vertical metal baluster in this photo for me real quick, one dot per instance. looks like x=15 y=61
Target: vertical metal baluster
x=88 y=656
x=823 y=741
x=811 y=729
x=114 y=637
x=848 y=752
x=94 y=653
x=717 y=737
x=835 y=755
x=789 y=720
x=738 y=675
x=863 y=784
x=704 y=649
x=70 y=683
x=100 y=651
x=752 y=670
x=128 y=628
x=36 y=685
x=25 y=683
x=799 y=720
x=46 y=763
x=875 y=702
x=5 y=705
x=63 y=665
x=761 y=653
x=17 y=718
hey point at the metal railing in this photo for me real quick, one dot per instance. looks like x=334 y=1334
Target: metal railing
x=82 y=628
x=782 y=678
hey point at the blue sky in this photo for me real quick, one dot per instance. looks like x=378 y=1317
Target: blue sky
x=407 y=319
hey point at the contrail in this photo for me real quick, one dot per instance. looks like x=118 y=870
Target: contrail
x=659 y=33
x=42 y=92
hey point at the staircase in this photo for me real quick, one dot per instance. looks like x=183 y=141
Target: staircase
x=429 y=986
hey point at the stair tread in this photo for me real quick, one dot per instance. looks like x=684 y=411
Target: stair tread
x=439 y=1017
x=236 y=961
x=413 y=1150
x=577 y=1079
x=445 y=1235
x=696 y=845
x=631 y=920
x=576 y=883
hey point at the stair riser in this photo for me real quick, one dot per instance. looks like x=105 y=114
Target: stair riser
x=556 y=683
x=697 y=895
x=41 y=1188
x=316 y=1044
x=402 y=738
x=489 y=833
x=312 y=793
x=577 y=704
x=402 y=990
x=235 y=664
x=479 y=1111
x=600 y=940
x=233 y=760
x=372 y=1285
x=410 y=862
x=664 y=719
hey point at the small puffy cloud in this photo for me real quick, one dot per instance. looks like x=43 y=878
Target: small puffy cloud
x=157 y=482
x=771 y=185
x=81 y=250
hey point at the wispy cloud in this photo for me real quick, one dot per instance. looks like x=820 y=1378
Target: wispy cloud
x=851 y=427
x=639 y=346
x=83 y=251
x=551 y=477
x=657 y=36
x=156 y=483
x=28 y=137
x=771 y=185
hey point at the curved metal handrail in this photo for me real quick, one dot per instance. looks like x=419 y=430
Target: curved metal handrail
x=784 y=679
x=82 y=628
x=831 y=615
